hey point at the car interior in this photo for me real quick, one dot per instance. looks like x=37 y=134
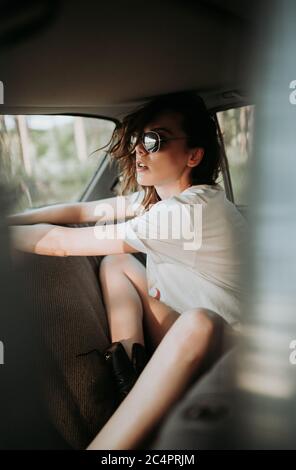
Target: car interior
x=70 y=72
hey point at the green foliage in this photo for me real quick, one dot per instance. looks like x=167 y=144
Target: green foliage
x=45 y=167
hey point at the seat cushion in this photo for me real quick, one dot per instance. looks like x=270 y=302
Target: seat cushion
x=70 y=319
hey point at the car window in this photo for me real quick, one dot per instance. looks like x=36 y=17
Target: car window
x=50 y=159
x=237 y=130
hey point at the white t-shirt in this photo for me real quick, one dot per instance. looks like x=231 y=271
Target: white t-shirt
x=194 y=242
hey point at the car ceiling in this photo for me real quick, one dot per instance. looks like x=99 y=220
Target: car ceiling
x=104 y=57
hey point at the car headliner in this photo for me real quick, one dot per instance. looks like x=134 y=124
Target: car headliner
x=102 y=58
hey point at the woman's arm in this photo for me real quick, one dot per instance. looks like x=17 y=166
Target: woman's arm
x=103 y=210
x=53 y=240
x=57 y=213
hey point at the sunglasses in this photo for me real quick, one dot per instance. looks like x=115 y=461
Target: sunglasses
x=152 y=141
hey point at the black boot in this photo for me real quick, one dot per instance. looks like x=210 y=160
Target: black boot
x=139 y=358
x=123 y=371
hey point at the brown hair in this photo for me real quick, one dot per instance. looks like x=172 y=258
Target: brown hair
x=197 y=124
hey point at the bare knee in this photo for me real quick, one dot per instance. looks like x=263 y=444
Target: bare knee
x=195 y=331
x=113 y=262
x=196 y=320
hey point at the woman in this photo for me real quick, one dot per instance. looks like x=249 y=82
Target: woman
x=192 y=236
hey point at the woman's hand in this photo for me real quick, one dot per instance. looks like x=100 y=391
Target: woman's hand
x=54 y=214
x=54 y=240
x=40 y=239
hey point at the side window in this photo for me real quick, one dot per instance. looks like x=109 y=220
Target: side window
x=237 y=130
x=50 y=159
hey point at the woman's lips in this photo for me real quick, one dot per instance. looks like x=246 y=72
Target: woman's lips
x=141 y=169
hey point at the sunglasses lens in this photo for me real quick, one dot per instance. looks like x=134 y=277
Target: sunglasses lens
x=150 y=141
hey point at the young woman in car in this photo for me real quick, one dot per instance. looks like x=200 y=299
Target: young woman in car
x=190 y=289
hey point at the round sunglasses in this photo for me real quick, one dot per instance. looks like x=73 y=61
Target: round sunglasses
x=152 y=141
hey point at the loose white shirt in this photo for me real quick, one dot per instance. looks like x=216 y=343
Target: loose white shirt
x=194 y=259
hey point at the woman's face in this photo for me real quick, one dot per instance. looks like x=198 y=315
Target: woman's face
x=170 y=163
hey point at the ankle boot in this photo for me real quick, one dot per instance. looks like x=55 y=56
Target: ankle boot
x=139 y=358
x=123 y=371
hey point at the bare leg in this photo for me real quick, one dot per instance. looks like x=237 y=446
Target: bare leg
x=164 y=379
x=125 y=292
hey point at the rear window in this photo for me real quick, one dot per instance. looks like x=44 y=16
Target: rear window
x=50 y=159
x=237 y=130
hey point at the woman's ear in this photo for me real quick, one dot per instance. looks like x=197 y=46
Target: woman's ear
x=195 y=157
